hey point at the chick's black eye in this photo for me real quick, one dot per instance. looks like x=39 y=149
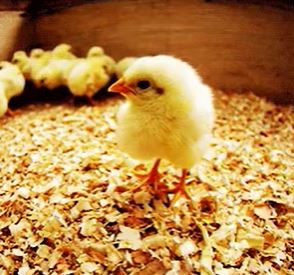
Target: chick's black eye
x=143 y=84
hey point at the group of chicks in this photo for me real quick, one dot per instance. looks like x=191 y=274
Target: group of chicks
x=58 y=67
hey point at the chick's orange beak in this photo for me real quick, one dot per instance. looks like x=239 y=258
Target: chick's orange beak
x=120 y=87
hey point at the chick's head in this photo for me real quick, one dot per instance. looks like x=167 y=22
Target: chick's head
x=63 y=51
x=95 y=51
x=152 y=78
x=49 y=77
x=21 y=60
x=39 y=56
x=36 y=53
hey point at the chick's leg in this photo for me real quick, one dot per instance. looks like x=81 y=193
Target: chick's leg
x=153 y=179
x=180 y=187
x=91 y=100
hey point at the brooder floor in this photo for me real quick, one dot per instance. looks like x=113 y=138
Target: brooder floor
x=66 y=205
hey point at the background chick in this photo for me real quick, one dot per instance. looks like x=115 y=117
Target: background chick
x=31 y=65
x=23 y=62
x=63 y=51
x=13 y=79
x=91 y=74
x=38 y=60
x=122 y=65
x=55 y=73
x=37 y=53
x=99 y=58
x=95 y=51
x=168 y=114
x=12 y=83
x=87 y=77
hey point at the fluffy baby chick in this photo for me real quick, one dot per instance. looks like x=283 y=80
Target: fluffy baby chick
x=122 y=65
x=97 y=55
x=168 y=114
x=12 y=83
x=87 y=77
x=31 y=65
x=63 y=51
x=91 y=74
x=13 y=79
x=38 y=53
x=55 y=73
x=95 y=51
x=23 y=62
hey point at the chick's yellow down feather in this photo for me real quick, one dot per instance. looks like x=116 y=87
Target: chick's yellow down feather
x=168 y=114
x=3 y=100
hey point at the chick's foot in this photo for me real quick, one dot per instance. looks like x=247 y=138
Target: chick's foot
x=152 y=179
x=180 y=188
x=12 y=113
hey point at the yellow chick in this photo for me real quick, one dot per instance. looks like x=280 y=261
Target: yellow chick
x=12 y=83
x=63 y=51
x=37 y=53
x=91 y=74
x=95 y=51
x=38 y=59
x=31 y=65
x=123 y=64
x=23 y=62
x=168 y=114
x=87 y=77
x=13 y=79
x=55 y=73
x=101 y=59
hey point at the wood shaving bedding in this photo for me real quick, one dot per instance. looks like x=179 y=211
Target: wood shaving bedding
x=66 y=208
